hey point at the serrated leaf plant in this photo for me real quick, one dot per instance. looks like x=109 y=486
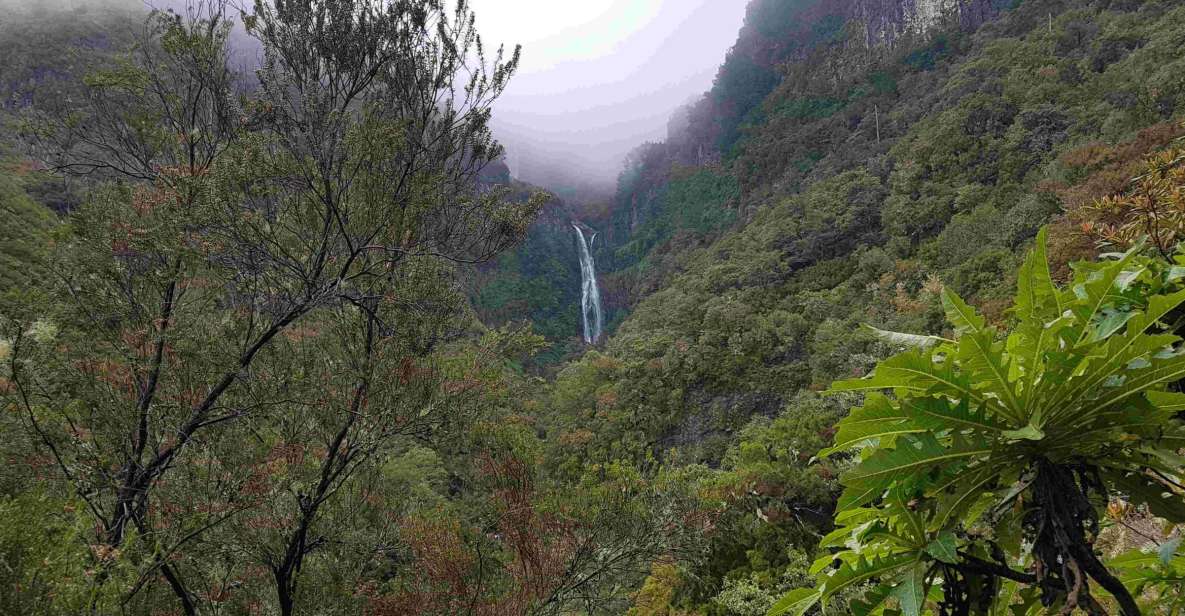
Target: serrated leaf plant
x=1155 y=574
x=981 y=464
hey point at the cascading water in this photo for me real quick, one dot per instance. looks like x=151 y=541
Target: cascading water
x=590 y=297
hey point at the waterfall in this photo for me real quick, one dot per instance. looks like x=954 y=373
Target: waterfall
x=590 y=297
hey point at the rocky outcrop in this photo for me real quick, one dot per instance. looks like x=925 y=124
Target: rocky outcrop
x=887 y=21
x=781 y=32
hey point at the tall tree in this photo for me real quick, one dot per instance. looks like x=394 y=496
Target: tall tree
x=228 y=222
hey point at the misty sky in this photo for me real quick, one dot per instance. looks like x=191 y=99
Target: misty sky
x=599 y=77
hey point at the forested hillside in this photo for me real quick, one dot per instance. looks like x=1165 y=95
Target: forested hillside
x=983 y=138
x=681 y=193
x=43 y=55
x=867 y=181
x=893 y=321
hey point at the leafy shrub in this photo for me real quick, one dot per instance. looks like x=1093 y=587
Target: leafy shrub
x=45 y=569
x=992 y=455
x=1153 y=207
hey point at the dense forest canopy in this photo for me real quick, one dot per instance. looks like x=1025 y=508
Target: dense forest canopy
x=893 y=320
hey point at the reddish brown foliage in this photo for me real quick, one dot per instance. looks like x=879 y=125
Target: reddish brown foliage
x=1095 y=172
x=1067 y=244
x=298 y=333
x=145 y=199
x=1152 y=207
x=1102 y=170
x=409 y=372
x=116 y=375
x=576 y=439
x=452 y=577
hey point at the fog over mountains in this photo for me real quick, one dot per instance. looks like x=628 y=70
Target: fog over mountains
x=597 y=78
x=604 y=82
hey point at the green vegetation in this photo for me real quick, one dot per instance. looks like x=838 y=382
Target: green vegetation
x=538 y=283
x=691 y=202
x=24 y=236
x=994 y=454
x=866 y=194
x=276 y=353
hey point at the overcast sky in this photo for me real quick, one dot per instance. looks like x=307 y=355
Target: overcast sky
x=599 y=77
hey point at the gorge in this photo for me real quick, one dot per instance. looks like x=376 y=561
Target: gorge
x=899 y=293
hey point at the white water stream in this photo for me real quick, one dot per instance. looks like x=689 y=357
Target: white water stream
x=590 y=297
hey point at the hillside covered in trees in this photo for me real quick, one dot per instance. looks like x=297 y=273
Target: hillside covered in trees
x=893 y=321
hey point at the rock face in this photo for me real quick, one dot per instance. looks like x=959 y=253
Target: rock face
x=887 y=21
x=781 y=32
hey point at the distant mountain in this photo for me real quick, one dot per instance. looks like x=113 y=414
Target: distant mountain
x=45 y=48
x=677 y=193
x=851 y=156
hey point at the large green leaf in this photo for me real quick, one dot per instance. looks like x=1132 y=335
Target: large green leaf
x=851 y=523
x=1137 y=569
x=879 y=417
x=940 y=414
x=1120 y=352
x=867 y=604
x=1111 y=321
x=913 y=453
x=1136 y=382
x=917 y=371
x=913 y=527
x=982 y=358
x=796 y=602
x=1141 y=489
x=1004 y=598
x=899 y=536
x=960 y=314
x=956 y=498
x=913 y=341
x=1095 y=291
x=1167 y=400
x=1027 y=433
x=1158 y=574
x=1031 y=347
x=1135 y=559
x=910 y=592
x=864 y=570
x=1036 y=295
x=1041 y=317
x=945 y=548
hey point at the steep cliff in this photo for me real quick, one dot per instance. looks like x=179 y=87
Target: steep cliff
x=540 y=282
x=829 y=65
x=888 y=21
x=777 y=32
x=913 y=147
x=794 y=60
